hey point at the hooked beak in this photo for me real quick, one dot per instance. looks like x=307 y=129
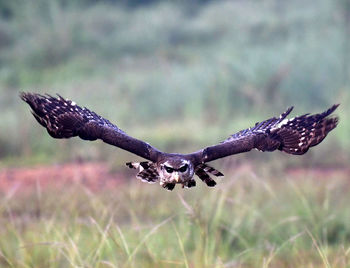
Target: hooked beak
x=176 y=177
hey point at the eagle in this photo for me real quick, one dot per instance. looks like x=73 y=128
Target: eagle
x=63 y=118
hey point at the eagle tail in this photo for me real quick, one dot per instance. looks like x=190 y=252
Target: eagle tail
x=202 y=171
x=147 y=171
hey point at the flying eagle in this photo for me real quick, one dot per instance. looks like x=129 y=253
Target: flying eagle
x=63 y=118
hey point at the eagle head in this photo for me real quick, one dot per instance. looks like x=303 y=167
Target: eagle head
x=175 y=170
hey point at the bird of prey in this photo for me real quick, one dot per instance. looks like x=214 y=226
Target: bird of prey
x=63 y=118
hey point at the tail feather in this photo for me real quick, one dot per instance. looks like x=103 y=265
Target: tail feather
x=205 y=177
x=139 y=165
x=209 y=169
x=149 y=175
x=202 y=171
x=147 y=171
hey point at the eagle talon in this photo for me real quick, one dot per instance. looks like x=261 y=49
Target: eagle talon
x=189 y=184
x=169 y=186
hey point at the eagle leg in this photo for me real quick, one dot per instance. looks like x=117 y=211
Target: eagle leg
x=189 y=184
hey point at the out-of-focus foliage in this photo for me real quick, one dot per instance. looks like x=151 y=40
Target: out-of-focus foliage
x=181 y=75
x=178 y=74
x=248 y=220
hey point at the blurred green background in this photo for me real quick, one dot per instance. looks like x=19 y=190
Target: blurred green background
x=179 y=74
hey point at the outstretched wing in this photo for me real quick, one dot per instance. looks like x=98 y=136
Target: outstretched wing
x=64 y=119
x=293 y=136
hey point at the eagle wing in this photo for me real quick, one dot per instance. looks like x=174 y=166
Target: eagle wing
x=64 y=119
x=293 y=136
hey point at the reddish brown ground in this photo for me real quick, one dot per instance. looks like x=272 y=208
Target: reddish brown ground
x=319 y=172
x=97 y=176
x=93 y=175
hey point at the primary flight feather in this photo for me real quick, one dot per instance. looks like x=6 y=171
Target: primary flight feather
x=63 y=118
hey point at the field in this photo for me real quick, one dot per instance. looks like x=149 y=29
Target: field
x=253 y=218
x=180 y=75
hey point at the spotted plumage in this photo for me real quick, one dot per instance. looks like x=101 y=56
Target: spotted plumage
x=147 y=171
x=65 y=119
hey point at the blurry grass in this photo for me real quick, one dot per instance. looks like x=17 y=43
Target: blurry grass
x=165 y=68
x=246 y=221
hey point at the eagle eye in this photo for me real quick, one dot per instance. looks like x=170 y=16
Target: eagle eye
x=168 y=169
x=183 y=168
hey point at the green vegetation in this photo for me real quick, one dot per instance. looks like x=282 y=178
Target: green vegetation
x=180 y=75
x=247 y=221
x=215 y=68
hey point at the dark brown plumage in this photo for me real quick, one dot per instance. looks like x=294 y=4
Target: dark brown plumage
x=64 y=119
